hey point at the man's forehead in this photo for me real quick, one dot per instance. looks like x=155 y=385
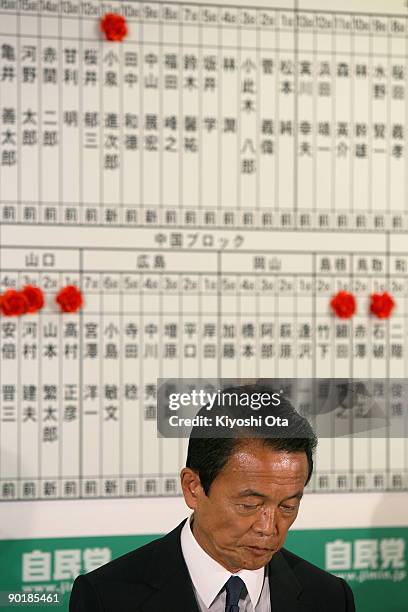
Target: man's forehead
x=255 y=457
x=261 y=450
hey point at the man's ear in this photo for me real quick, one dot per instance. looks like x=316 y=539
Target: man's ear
x=191 y=486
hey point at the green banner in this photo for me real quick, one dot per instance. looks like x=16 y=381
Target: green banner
x=373 y=561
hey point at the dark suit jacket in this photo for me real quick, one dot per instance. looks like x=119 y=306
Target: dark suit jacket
x=154 y=578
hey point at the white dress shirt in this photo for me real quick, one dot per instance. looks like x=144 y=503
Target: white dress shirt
x=209 y=577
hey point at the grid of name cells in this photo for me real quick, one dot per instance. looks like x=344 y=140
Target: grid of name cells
x=210 y=116
x=78 y=391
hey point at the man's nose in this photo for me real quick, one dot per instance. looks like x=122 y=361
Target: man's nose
x=266 y=522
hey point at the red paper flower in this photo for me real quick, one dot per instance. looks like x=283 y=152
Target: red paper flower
x=35 y=297
x=114 y=26
x=343 y=304
x=14 y=303
x=381 y=305
x=69 y=299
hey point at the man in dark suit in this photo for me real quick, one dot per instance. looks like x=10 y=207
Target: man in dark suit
x=245 y=492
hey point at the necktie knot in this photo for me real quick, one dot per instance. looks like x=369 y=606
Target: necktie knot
x=233 y=587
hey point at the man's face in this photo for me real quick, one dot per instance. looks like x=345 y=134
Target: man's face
x=250 y=506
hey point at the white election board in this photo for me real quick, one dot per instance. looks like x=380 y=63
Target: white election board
x=209 y=183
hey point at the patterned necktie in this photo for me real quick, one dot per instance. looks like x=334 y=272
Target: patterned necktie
x=234 y=587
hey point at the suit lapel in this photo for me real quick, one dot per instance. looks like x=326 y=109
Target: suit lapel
x=176 y=596
x=284 y=587
x=167 y=575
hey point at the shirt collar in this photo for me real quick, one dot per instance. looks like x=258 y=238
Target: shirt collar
x=208 y=576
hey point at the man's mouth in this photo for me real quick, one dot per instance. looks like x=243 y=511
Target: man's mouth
x=259 y=550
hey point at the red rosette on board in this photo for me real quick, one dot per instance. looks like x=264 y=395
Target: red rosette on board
x=34 y=296
x=13 y=303
x=381 y=305
x=69 y=299
x=343 y=304
x=114 y=27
